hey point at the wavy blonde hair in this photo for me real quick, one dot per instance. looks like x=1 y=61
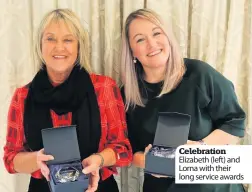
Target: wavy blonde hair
x=73 y=23
x=175 y=65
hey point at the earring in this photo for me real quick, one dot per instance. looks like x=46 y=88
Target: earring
x=134 y=60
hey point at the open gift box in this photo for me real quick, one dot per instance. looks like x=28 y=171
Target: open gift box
x=66 y=168
x=172 y=131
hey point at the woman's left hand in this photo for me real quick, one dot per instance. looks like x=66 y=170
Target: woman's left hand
x=91 y=166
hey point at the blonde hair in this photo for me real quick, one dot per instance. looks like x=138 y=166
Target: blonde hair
x=74 y=25
x=175 y=65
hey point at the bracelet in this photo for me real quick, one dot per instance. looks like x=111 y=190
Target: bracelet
x=102 y=159
x=202 y=142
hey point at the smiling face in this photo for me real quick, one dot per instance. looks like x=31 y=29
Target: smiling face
x=59 y=48
x=149 y=44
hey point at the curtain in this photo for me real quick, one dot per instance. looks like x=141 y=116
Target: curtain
x=217 y=31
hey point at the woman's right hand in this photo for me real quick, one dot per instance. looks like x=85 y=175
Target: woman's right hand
x=139 y=157
x=41 y=159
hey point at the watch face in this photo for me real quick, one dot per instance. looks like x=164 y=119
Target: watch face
x=163 y=152
x=67 y=174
